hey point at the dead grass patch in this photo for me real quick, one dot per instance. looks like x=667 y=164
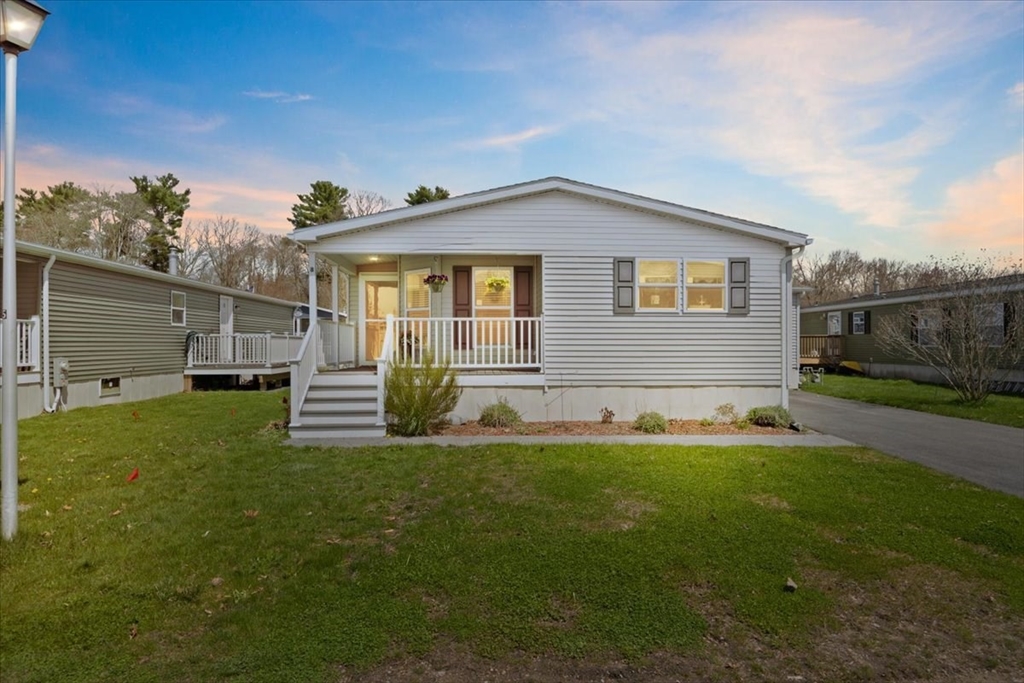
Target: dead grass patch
x=772 y=502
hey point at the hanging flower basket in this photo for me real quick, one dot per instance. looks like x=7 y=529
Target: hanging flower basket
x=496 y=284
x=436 y=282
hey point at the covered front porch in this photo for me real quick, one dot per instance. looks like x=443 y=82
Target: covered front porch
x=475 y=312
x=478 y=313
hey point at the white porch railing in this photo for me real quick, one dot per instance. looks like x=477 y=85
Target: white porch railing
x=386 y=352
x=265 y=350
x=28 y=344
x=470 y=343
x=303 y=367
x=337 y=344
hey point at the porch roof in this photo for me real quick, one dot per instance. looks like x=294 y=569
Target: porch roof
x=315 y=234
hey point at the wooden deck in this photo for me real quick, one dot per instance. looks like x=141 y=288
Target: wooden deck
x=821 y=350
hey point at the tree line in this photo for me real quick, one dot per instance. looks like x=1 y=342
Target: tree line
x=141 y=227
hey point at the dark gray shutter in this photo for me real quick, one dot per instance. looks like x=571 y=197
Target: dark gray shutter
x=867 y=322
x=624 y=292
x=739 y=286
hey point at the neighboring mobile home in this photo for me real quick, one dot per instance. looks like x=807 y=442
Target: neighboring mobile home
x=92 y=332
x=846 y=331
x=561 y=297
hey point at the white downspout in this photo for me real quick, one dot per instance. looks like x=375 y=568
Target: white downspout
x=787 y=305
x=46 y=339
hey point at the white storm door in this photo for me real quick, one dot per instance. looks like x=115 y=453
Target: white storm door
x=378 y=297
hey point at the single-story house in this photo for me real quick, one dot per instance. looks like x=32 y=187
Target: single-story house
x=562 y=298
x=846 y=331
x=93 y=332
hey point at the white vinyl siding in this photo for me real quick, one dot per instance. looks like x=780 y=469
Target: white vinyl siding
x=578 y=240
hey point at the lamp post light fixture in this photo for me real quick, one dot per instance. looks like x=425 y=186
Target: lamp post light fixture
x=20 y=21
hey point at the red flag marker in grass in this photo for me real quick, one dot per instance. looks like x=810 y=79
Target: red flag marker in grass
x=133 y=476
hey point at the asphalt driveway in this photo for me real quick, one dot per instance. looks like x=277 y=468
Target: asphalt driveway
x=989 y=455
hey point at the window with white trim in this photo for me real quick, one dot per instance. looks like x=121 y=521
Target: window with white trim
x=990 y=319
x=928 y=326
x=178 y=308
x=704 y=286
x=657 y=285
x=858 y=322
x=835 y=323
x=417 y=294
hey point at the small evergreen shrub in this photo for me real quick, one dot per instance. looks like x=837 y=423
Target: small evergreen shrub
x=769 y=416
x=742 y=423
x=707 y=422
x=418 y=399
x=500 y=414
x=650 y=423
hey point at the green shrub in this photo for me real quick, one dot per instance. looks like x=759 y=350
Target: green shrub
x=707 y=422
x=726 y=413
x=500 y=414
x=769 y=416
x=418 y=399
x=743 y=423
x=650 y=423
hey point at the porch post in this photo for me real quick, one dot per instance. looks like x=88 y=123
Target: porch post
x=312 y=290
x=334 y=315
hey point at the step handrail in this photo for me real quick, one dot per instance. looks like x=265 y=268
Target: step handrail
x=303 y=368
x=382 y=366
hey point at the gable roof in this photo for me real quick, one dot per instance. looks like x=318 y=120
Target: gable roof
x=535 y=187
x=1006 y=283
x=138 y=271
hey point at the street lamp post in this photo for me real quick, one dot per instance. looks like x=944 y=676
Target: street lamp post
x=20 y=21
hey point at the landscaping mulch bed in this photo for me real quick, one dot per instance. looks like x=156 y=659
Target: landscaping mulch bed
x=594 y=428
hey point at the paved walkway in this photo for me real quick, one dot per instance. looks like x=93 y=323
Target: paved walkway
x=650 y=439
x=986 y=454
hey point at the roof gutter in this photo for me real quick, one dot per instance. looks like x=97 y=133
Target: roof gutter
x=46 y=336
x=785 y=283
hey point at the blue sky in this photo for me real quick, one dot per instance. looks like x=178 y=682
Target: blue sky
x=896 y=129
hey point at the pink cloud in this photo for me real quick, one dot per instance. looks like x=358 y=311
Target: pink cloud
x=987 y=210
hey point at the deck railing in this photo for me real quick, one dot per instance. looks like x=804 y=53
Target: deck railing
x=821 y=349
x=386 y=353
x=470 y=343
x=248 y=350
x=27 y=341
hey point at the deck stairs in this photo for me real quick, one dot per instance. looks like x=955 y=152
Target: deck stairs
x=339 y=405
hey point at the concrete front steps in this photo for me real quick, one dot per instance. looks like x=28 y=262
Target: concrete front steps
x=339 y=405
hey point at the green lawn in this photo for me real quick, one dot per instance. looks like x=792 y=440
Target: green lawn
x=233 y=557
x=928 y=398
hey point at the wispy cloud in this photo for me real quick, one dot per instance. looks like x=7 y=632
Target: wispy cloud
x=989 y=205
x=1016 y=94
x=511 y=140
x=147 y=116
x=812 y=94
x=277 y=96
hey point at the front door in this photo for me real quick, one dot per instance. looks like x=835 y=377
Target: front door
x=379 y=297
x=227 y=327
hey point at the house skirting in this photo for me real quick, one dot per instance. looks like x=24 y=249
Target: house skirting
x=585 y=403
x=30 y=400
x=922 y=373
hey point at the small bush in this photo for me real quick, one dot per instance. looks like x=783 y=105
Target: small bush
x=726 y=413
x=500 y=414
x=607 y=415
x=742 y=423
x=769 y=416
x=707 y=422
x=650 y=423
x=418 y=399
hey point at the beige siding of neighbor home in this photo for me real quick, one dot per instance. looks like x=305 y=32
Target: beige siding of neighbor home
x=577 y=239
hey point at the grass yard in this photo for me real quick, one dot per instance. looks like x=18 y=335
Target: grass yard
x=234 y=558
x=927 y=398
